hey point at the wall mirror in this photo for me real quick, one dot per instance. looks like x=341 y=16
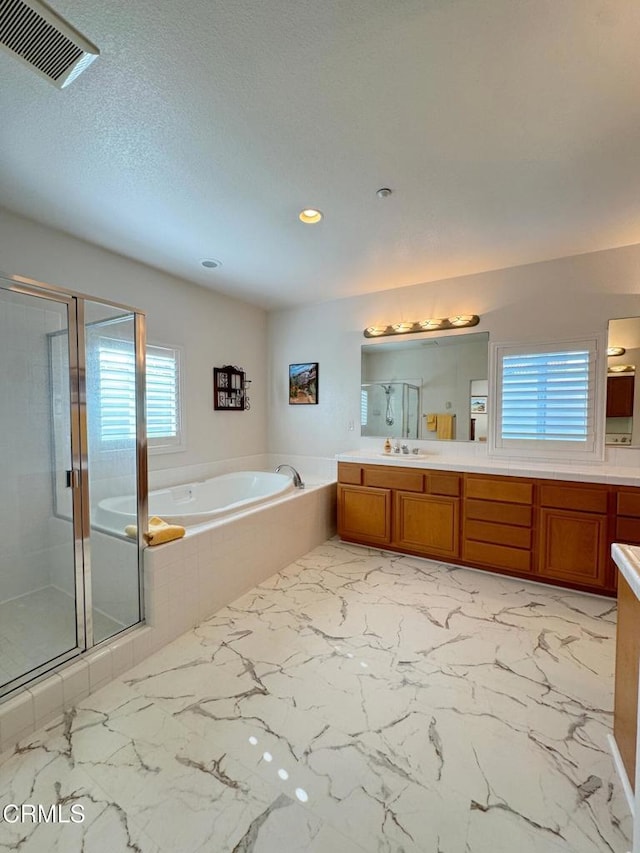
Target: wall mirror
x=429 y=389
x=623 y=397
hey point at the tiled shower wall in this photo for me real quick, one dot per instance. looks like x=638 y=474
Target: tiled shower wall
x=25 y=450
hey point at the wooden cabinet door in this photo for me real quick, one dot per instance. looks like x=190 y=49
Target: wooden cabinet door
x=427 y=524
x=628 y=516
x=573 y=546
x=625 y=713
x=364 y=514
x=620 y=396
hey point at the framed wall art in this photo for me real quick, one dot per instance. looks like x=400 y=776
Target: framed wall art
x=478 y=405
x=303 y=384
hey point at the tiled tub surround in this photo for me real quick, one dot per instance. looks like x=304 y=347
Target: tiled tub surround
x=356 y=701
x=189 y=579
x=184 y=582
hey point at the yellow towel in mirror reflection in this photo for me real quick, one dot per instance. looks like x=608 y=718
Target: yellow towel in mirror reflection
x=159 y=531
x=444 y=425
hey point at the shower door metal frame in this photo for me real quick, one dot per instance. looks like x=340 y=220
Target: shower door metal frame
x=79 y=556
x=79 y=446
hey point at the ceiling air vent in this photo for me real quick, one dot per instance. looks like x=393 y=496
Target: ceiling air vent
x=34 y=33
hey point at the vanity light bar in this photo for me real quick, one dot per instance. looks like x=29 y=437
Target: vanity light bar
x=460 y=321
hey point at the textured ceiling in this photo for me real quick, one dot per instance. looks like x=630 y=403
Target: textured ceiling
x=509 y=131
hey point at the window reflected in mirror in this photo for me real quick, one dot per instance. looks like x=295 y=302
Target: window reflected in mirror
x=429 y=389
x=623 y=399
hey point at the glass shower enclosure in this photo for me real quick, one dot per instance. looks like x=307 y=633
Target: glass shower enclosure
x=72 y=432
x=390 y=408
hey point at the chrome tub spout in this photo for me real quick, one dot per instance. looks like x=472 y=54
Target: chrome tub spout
x=297 y=479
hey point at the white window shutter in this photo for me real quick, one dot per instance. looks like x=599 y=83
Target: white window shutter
x=116 y=366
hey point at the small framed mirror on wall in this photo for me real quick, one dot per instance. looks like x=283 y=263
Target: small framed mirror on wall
x=623 y=396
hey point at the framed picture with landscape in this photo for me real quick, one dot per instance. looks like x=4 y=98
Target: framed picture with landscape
x=478 y=405
x=303 y=384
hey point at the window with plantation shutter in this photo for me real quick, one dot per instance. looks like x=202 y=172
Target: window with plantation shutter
x=163 y=404
x=116 y=370
x=546 y=399
x=117 y=390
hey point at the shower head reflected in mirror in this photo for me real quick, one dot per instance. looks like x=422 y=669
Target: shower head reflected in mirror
x=389 y=418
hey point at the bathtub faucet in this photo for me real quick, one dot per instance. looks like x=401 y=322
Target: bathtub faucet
x=297 y=479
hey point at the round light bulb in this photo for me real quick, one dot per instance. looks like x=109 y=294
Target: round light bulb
x=310 y=216
x=461 y=319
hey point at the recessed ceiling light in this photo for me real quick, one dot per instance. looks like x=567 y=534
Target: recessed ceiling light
x=211 y=263
x=310 y=215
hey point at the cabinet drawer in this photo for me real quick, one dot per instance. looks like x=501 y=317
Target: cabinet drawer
x=628 y=530
x=389 y=478
x=629 y=503
x=437 y=483
x=499 y=534
x=350 y=473
x=517 y=514
x=497 y=555
x=506 y=489
x=574 y=497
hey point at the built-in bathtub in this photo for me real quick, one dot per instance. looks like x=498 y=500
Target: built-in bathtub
x=187 y=580
x=232 y=551
x=198 y=503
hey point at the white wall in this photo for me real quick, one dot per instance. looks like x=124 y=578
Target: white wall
x=213 y=329
x=546 y=301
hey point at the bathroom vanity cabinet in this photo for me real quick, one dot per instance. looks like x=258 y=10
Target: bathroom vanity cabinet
x=402 y=508
x=498 y=522
x=625 y=713
x=554 y=531
x=574 y=534
x=628 y=516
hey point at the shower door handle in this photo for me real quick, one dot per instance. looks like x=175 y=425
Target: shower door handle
x=73 y=478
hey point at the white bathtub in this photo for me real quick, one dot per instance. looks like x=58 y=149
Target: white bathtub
x=197 y=503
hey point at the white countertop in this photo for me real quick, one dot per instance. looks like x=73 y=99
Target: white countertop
x=597 y=473
x=627 y=559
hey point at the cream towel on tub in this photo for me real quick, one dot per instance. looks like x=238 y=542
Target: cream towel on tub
x=159 y=531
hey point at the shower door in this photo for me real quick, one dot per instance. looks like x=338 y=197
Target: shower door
x=41 y=545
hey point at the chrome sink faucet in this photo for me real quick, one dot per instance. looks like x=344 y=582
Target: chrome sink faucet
x=297 y=479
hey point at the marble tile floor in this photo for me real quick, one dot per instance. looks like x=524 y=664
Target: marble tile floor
x=355 y=701
x=38 y=626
